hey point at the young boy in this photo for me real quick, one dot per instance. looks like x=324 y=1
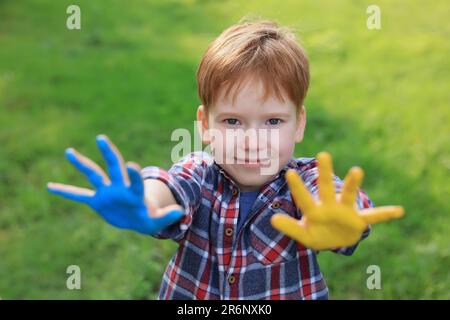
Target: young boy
x=249 y=218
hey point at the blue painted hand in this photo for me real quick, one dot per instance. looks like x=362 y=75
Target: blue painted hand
x=119 y=199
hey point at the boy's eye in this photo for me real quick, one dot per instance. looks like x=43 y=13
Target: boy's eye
x=231 y=121
x=274 y=121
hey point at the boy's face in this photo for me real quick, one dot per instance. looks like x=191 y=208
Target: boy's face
x=251 y=139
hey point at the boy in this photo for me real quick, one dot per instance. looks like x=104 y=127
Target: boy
x=242 y=233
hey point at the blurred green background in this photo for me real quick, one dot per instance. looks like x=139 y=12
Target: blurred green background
x=378 y=99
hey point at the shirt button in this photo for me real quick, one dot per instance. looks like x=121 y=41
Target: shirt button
x=235 y=192
x=231 y=279
x=276 y=205
x=228 y=232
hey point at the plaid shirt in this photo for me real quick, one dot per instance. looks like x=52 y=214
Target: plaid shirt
x=258 y=262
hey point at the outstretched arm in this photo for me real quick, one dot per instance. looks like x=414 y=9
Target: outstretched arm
x=121 y=198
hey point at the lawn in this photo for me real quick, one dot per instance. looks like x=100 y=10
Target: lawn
x=378 y=99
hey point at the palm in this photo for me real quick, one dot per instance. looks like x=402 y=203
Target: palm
x=115 y=202
x=332 y=221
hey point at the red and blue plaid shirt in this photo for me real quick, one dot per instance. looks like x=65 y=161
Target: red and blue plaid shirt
x=258 y=262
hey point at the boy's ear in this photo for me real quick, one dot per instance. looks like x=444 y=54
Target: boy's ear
x=202 y=125
x=301 y=124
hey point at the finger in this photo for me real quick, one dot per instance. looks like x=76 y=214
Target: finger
x=71 y=192
x=351 y=184
x=96 y=176
x=291 y=227
x=136 y=183
x=301 y=195
x=325 y=179
x=114 y=160
x=380 y=214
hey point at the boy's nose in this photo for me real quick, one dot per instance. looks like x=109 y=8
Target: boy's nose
x=251 y=143
x=255 y=140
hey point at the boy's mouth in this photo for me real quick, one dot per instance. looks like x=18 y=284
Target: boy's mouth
x=252 y=163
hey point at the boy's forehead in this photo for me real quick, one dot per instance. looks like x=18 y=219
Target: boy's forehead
x=250 y=95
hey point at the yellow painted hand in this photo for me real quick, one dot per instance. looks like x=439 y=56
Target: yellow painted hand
x=334 y=221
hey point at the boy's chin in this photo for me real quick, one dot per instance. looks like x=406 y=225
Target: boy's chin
x=250 y=179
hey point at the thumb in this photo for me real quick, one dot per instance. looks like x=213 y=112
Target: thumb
x=161 y=212
x=168 y=215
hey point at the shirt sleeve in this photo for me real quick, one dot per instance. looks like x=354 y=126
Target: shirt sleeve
x=184 y=179
x=363 y=201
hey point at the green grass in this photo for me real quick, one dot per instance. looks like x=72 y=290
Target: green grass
x=378 y=99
